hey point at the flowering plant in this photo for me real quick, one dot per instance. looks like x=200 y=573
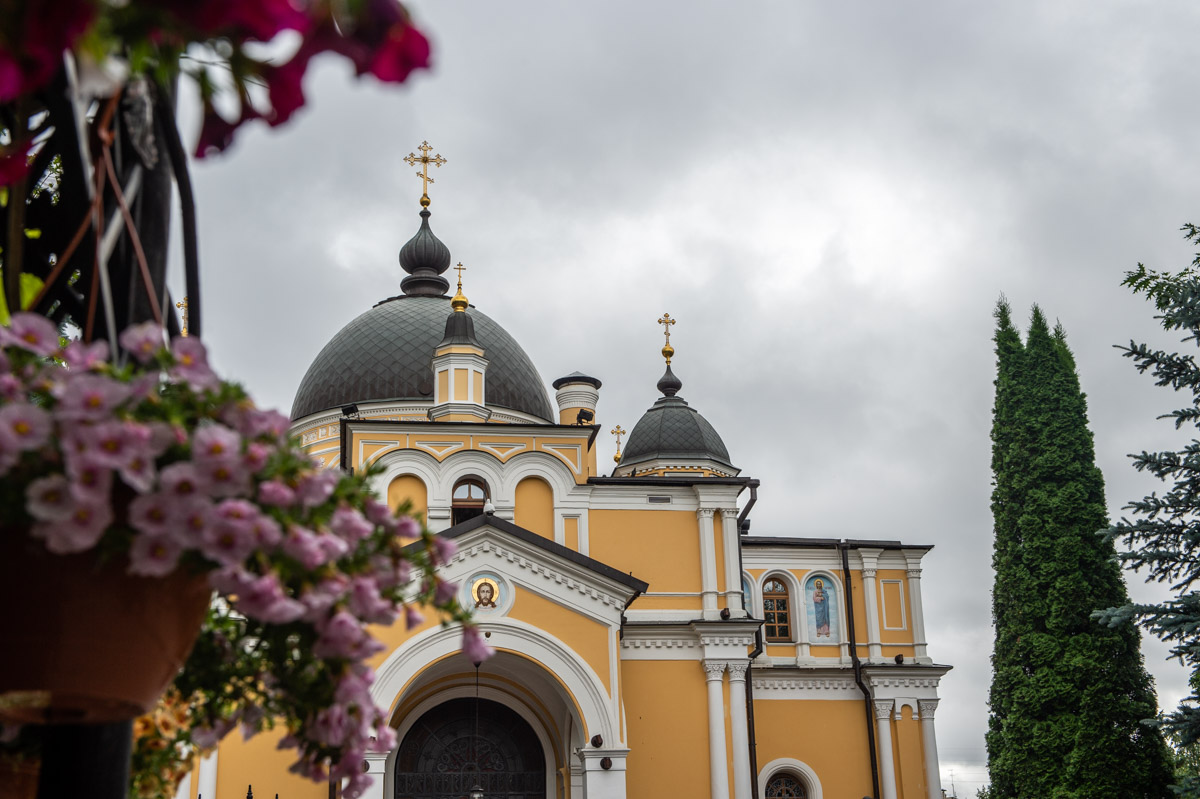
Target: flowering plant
x=162 y=466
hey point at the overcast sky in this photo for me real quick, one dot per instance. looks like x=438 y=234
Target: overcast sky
x=829 y=197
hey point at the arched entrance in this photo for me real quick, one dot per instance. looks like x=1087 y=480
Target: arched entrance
x=442 y=758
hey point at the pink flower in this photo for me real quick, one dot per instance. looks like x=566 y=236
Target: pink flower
x=316 y=487
x=227 y=478
x=114 y=444
x=28 y=425
x=255 y=457
x=444 y=591
x=367 y=604
x=154 y=555
x=193 y=515
x=32 y=332
x=11 y=387
x=331 y=726
x=285 y=86
x=342 y=636
x=266 y=531
x=403 y=49
x=229 y=538
x=349 y=525
x=412 y=617
x=263 y=599
x=357 y=785
x=48 y=499
x=152 y=514
x=191 y=364
x=89 y=397
x=138 y=473
x=323 y=596
x=443 y=549
x=90 y=481
x=304 y=546
x=332 y=546
x=379 y=513
x=354 y=688
x=83 y=357
x=143 y=341
x=474 y=647
x=182 y=480
x=275 y=492
x=384 y=740
x=215 y=442
x=407 y=527
x=79 y=532
x=264 y=424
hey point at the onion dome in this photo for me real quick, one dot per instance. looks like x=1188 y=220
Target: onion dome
x=424 y=257
x=672 y=434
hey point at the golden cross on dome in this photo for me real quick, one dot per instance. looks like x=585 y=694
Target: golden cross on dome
x=183 y=306
x=424 y=159
x=618 y=432
x=667 y=349
x=459 y=269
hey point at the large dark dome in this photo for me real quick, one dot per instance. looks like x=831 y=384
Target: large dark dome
x=672 y=430
x=385 y=354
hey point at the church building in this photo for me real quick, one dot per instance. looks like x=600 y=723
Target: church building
x=646 y=645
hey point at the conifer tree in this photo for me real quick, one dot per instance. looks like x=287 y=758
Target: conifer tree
x=1069 y=695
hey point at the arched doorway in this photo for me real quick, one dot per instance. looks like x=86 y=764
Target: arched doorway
x=442 y=758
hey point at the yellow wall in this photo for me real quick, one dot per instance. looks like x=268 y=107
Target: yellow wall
x=889 y=596
x=910 y=766
x=259 y=764
x=637 y=540
x=587 y=637
x=460 y=385
x=829 y=735
x=443 y=386
x=667 y=727
x=535 y=506
x=409 y=488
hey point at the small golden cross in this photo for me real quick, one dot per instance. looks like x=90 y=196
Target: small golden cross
x=460 y=268
x=412 y=159
x=666 y=322
x=618 y=432
x=183 y=305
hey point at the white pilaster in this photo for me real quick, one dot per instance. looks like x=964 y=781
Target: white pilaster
x=740 y=729
x=933 y=774
x=870 y=562
x=718 y=771
x=733 y=571
x=184 y=791
x=206 y=787
x=708 y=564
x=883 y=740
x=603 y=772
x=376 y=769
x=920 y=647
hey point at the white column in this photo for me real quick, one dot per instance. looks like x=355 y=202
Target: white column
x=376 y=769
x=206 y=787
x=933 y=774
x=920 y=649
x=883 y=740
x=740 y=728
x=733 y=570
x=870 y=561
x=708 y=564
x=184 y=791
x=603 y=772
x=718 y=771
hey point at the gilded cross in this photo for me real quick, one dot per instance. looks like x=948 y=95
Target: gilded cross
x=424 y=159
x=618 y=432
x=460 y=268
x=666 y=322
x=183 y=306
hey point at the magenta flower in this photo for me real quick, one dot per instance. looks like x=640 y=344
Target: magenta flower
x=343 y=636
x=90 y=481
x=263 y=598
x=304 y=546
x=113 y=444
x=153 y=514
x=254 y=459
x=323 y=596
x=84 y=357
x=277 y=493
x=443 y=549
x=32 y=332
x=10 y=387
x=316 y=487
x=266 y=531
x=28 y=425
x=215 y=442
x=48 y=499
x=407 y=527
x=474 y=647
x=154 y=555
x=143 y=341
x=77 y=533
x=332 y=546
x=138 y=473
x=227 y=478
x=193 y=515
x=331 y=726
x=182 y=480
x=366 y=603
x=90 y=398
x=229 y=536
x=349 y=525
x=379 y=513
x=403 y=49
x=354 y=688
x=191 y=364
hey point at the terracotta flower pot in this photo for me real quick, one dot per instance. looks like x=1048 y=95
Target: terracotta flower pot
x=82 y=643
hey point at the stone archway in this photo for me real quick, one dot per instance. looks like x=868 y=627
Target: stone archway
x=463 y=743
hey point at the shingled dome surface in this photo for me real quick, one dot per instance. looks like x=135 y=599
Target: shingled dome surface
x=385 y=354
x=671 y=430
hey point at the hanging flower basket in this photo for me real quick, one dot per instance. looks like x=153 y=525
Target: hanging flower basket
x=88 y=642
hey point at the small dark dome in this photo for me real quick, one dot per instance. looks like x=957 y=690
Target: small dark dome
x=460 y=330
x=672 y=430
x=425 y=257
x=576 y=377
x=386 y=354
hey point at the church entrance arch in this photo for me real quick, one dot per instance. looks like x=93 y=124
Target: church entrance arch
x=442 y=757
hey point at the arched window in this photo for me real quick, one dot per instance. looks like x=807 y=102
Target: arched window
x=467 y=501
x=785 y=785
x=777 y=610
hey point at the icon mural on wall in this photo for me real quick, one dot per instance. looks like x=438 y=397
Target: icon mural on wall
x=486 y=592
x=822 y=610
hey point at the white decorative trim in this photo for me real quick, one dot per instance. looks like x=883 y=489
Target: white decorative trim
x=883 y=708
x=438 y=449
x=500 y=449
x=769 y=687
x=714 y=670
x=797 y=767
x=927 y=707
x=571 y=454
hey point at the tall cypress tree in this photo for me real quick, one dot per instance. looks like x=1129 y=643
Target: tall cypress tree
x=1069 y=695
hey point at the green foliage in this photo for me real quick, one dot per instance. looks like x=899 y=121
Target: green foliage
x=1068 y=695
x=1164 y=535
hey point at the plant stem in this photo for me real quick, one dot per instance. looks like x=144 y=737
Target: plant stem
x=14 y=251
